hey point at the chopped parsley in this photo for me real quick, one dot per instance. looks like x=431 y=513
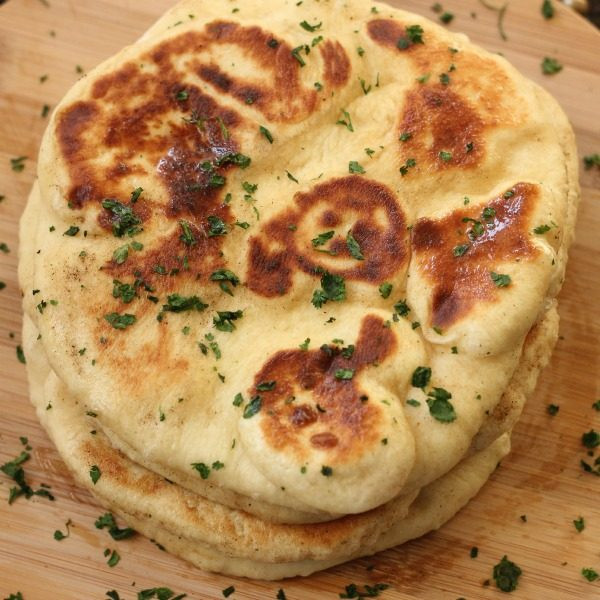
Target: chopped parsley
x=124 y=221
x=421 y=377
x=224 y=319
x=445 y=80
x=344 y=374
x=266 y=386
x=326 y=471
x=114 y=558
x=356 y=168
x=506 y=575
x=135 y=195
x=15 y=471
x=552 y=409
x=413 y=35
x=405 y=136
x=72 y=231
x=203 y=469
x=589 y=574
x=363 y=84
x=59 y=535
x=296 y=53
x=346 y=121
x=541 y=229
x=547 y=9
x=177 y=303
x=95 y=474
x=308 y=27
x=119 y=321
x=162 y=593
x=187 y=236
x=253 y=407
x=385 y=289
x=322 y=238
x=550 y=66
x=596 y=405
x=125 y=291
x=474 y=552
x=291 y=177
x=440 y=406
x=579 y=524
x=460 y=250
x=500 y=280
x=121 y=254
x=107 y=520
x=369 y=591
x=304 y=344
x=280 y=593
x=591 y=160
x=409 y=164
x=238 y=399
x=223 y=276
x=333 y=287
x=591 y=439
x=413 y=402
x=354 y=247
x=21 y=355
x=401 y=308
x=445 y=156
x=266 y=133
x=216 y=226
x=228 y=591
x=18 y=164
x=446 y=17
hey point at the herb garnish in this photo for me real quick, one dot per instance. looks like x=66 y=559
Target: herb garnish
x=506 y=575
x=591 y=160
x=216 y=226
x=18 y=164
x=440 y=407
x=107 y=520
x=95 y=474
x=187 y=236
x=177 y=303
x=370 y=591
x=591 y=439
x=322 y=238
x=346 y=121
x=124 y=220
x=162 y=593
x=59 y=535
x=500 y=280
x=552 y=409
x=15 y=470
x=550 y=66
x=589 y=574
x=460 y=250
x=21 y=355
x=125 y=291
x=120 y=321
x=547 y=9
x=401 y=308
x=326 y=471
x=344 y=374
x=445 y=156
x=311 y=28
x=333 y=287
x=354 y=247
x=421 y=377
x=385 y=289
x=414 y=35
x=228 y=591
x=579 y=524
x=409 y=164
x=356 y=168
x=296 y=53
x=72 y=231
x=223 y=276
x=253 y=407
x=266 y=133
x=224 y=319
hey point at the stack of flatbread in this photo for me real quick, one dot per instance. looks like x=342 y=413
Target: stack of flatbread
x=289 y=274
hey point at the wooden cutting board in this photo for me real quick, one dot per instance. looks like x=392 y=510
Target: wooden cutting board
x=526 y=510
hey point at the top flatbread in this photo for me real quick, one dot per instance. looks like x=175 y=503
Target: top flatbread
x=438 y=168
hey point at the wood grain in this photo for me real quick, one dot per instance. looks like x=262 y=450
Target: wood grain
x=541 y=479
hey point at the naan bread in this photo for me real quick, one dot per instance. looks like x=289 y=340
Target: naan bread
x=307 y=274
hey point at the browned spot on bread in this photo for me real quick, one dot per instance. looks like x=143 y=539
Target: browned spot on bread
x=372 y=215
x=441 y=121
x=343 y=420
x=459 y=282
x=337 y=64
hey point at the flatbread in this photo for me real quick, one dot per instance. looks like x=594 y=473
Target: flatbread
x=301 y=261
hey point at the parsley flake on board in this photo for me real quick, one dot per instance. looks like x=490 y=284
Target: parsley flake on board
x=161 y=593
x=550 y=66
x=95 y=474
x=547 y=9
x=107 y=520
x=15 y=471
x=500 y=280
x=228 y=591
x=18 y=164
x=506 y=575
x=124 y=221
x=281 y=595
x=59 y=535
x=21 y=355
x=253 y=407
x=552 y=409
x=114 y=558
x=596 y=405
x=579 y=524
x=591 y=439
x=589 y=574
x=401 y=308
x=224 y=320
x=440 y=406
x=121 y=254
x=353 y=247
x=590 y=161
x=421 y=377
x=120 y=321
x=369 y=591
x=356 y=168
x=333 y=287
